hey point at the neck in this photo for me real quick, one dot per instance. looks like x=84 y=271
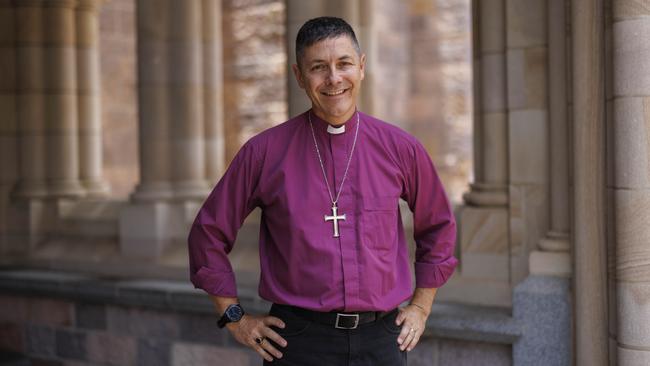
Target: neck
x=337 y=122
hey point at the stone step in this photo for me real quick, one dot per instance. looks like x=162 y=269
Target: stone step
x=91 y=218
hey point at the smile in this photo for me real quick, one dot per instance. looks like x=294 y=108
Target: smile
x=334 y=93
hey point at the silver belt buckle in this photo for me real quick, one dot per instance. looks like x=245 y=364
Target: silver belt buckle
x=340 y=316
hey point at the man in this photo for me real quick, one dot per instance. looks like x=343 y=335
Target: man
x=333 y=254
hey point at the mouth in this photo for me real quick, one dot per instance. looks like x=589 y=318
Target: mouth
x=334 y=93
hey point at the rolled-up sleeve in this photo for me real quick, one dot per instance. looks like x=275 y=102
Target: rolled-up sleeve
x=215 y=227
x=434 y=224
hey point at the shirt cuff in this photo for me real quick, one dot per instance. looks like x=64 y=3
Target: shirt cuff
x=434 y=275
x=215 y=283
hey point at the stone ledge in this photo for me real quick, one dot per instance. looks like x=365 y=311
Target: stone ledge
x=474 y=323
x=455 y=321
x=155 y=294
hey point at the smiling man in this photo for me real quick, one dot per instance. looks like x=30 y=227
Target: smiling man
x=334 y=257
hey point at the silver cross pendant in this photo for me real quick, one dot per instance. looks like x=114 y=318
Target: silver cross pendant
x=335 y=220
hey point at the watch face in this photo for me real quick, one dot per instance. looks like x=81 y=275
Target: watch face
x=234 y=313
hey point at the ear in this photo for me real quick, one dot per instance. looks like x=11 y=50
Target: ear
x=298 y=74
x=362 y=65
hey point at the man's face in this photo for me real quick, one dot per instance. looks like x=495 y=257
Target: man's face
x=331 y=72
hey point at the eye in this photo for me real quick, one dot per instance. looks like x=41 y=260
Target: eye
x=318 y=67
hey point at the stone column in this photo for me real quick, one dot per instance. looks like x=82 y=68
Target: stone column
x=490 y=187
x=153 y=22
x=528 y=130
x=89 y=88
x=365 y=23
x=30 y=100
x=298 y=12
x=553 y=257
x=213 y=91
x=171 y=89
x=144 y=224
x=484 y=217
x=185 y=103
x=8 y=123
x=181 y=146
x=631 y=192
x=591 y=345
x=61 y=102
x=612 y=307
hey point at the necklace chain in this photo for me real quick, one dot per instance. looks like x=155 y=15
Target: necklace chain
x=322 y=166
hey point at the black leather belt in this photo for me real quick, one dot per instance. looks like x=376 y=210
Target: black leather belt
x=336 y=319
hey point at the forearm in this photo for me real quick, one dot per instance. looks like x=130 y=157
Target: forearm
x=221 y=303
x=423 y=298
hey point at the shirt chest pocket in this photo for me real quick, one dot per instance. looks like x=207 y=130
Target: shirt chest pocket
x=380 y=222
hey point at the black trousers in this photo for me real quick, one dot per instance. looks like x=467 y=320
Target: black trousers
x=314 y=344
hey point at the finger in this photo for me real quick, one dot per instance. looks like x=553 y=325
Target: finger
x=400 y=317
x=408 y=338
x=403 y=334
x=275 y=337
x=268 y=347
x=273 y=321
x=414 y=341
x=262 y=352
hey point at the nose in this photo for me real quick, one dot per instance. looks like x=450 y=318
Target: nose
x=334 y=77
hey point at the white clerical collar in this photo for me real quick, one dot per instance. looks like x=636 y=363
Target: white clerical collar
x=335 y=130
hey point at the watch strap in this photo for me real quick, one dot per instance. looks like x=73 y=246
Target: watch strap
x=225 y=318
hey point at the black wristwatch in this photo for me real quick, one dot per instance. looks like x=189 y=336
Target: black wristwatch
x=233 y=313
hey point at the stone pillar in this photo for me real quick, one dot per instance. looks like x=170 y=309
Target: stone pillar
x=490 y=187
x=528 y=130
x=58 y=100
x=61 y=103
x=477 y=130
x=591 y=345
x=185 y=103
x=171 y=61
x=30 y=100
x=8 y=122
x=631 y=192
x=153 y=21
x=181 y=146
x=483 y=238
x=553 y=257
x=213 y=91
x=298 y=12
x=612 y=307
x=89 y=88
x=367 y=37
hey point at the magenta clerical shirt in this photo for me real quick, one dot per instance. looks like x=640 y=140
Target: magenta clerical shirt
x=302 y=263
